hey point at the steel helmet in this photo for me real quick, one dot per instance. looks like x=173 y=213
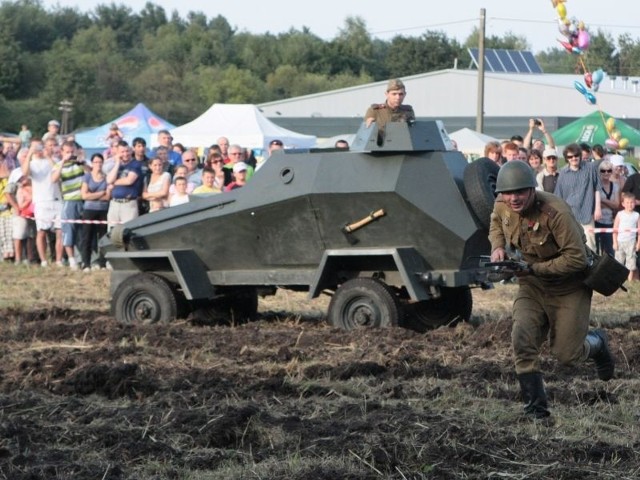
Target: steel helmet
x=515 y=175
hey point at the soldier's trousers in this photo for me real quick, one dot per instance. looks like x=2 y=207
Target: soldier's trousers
x=564 y=319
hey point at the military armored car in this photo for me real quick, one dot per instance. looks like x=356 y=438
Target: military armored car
x=392 y=229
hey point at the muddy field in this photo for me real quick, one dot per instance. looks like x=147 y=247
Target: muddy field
x=288 y=397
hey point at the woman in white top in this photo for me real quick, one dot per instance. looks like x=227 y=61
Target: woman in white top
x=156 y=192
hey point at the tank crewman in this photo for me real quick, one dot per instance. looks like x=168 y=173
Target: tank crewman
x=392 y=110
x=552 y=300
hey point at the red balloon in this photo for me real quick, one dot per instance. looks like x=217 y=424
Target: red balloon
x=588 y=79
x=568 y=47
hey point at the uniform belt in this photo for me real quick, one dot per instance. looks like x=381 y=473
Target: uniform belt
x=124 y=200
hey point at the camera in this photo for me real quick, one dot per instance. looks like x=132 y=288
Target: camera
x=537 y=122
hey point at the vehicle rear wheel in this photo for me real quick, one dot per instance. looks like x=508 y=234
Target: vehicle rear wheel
x=453 y=306
x=364 y=302
x=480 y=184
x=144 y=298
x=233 y=306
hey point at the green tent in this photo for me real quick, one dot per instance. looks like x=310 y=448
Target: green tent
x=592 y=130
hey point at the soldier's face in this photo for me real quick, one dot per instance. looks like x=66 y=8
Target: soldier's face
x=519 y=200
x=395 y=98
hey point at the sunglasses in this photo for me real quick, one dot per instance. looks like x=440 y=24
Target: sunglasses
x=569 y=157
x=551 y=157
x=216 y=161
x=606 y=171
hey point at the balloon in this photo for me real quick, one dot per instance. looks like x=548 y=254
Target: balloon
x=588 y=79
x=576 y=50
x=611 y=143
x=598 y=75
x=583 y=39
x=623 y=143
x=590 y=98
x=616 y=135
x=611 y=123
x=568 y=47
x=562 y=10
x=563 y=27
x=580 y=87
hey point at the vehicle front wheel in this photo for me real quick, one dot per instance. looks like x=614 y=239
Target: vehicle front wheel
x=144 y=298
x=362 y=303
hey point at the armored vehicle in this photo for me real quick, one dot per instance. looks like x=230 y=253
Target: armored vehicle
x=392 y=229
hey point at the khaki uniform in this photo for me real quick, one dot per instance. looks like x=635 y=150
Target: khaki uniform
x=383 y=114
x=554 y=301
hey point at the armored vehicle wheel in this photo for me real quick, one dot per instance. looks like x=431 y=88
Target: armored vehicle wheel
x=364 y=302
x=144 y=298
x=237 y=305
x=454 y=305
x=480 y=184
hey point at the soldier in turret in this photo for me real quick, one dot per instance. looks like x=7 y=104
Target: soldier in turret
x=392 y=110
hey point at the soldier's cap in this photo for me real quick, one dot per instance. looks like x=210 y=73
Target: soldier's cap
x=549 y=152
x=240 y=167
x=395 y=84
x=54 y=122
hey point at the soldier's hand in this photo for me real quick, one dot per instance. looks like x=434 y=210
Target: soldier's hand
x=498 y=255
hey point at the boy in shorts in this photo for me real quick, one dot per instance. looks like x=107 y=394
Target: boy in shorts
x=626 y=242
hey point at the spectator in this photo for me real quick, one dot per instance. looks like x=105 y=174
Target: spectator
x=53 y=132
x=610 y=199
x=585 y=152
x=208 y=177
x=236 y=155
x=180 y=195
x=579 y=185
x=223 y=145
x=194 y=174
x=115 y=134
x=47 y=199
x=165 y=140
x=181 y=171
x=619 y=170
x=156 y=192
x=493 y=151
x=518 y=140
x=224 y=176
x=342 y=144
x=178 y=147
x=535 y=160
x=548 y=178
x=626 y=242
x=530 y=142
x=240 y=170
x=123 y=184
x=274 y=145
x=25 y=136
x=597 y=151
x=69 y=172
x=95 y=194
x=510 y=151
x=23 y=226
x=6 y=237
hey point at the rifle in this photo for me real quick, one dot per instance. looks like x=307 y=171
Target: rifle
x=505 y=270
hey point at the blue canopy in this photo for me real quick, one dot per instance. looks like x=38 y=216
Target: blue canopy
x=138 y=122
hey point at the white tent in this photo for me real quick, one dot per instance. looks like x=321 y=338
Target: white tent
x=241 y=124
x=471 y=142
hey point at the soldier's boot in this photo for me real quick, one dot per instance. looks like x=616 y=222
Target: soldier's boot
x=600 y=353
x=533 y=393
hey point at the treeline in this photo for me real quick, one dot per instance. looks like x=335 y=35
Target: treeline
x=109 y=59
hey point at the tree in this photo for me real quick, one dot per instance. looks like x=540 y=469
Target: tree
x=352 y=49
x=411 y=55
x=629 y=55
x=10 y=53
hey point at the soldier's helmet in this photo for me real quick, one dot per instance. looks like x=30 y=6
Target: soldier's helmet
x=515 y=175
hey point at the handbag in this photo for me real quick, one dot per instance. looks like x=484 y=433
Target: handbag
x=605 y=274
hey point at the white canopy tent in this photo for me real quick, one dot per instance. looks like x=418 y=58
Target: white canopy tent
x=242 y=124
x=470 y=142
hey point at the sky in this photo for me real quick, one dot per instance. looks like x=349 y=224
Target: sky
x=536 y=20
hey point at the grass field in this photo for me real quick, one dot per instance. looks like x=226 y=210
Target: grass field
x=289 y=397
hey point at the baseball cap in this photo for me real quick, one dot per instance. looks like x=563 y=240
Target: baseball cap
x=549 y=152
x=395 y=84
x=240 y=167
x=616 y=160
x=54 y=122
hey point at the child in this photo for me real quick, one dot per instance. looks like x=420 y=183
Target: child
x=627 y=241
x=180 y=195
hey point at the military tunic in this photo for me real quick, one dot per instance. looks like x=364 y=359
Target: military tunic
x=383 y=114
x=554 y=301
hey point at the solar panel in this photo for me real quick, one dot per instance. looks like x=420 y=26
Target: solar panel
x=506 y=61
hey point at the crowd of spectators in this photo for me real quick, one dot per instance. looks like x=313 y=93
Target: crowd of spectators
x=55 y=203
x=596 y=184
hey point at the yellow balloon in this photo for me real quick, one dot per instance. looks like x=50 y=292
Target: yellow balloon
x=623 y=143
x=611 y=123
x=562 y=10
x=616 y=135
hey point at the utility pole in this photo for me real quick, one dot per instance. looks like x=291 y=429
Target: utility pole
x=480 y=107
x=66 y=107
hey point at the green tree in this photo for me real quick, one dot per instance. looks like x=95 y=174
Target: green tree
x=412 y=55
x=352 y=50
x=629 y=55
x=10 y=54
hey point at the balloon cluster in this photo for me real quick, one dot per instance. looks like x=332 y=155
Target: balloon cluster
x=576 y=41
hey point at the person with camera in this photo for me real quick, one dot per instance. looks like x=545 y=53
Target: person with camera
x=529 y=142
x=69 y=172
